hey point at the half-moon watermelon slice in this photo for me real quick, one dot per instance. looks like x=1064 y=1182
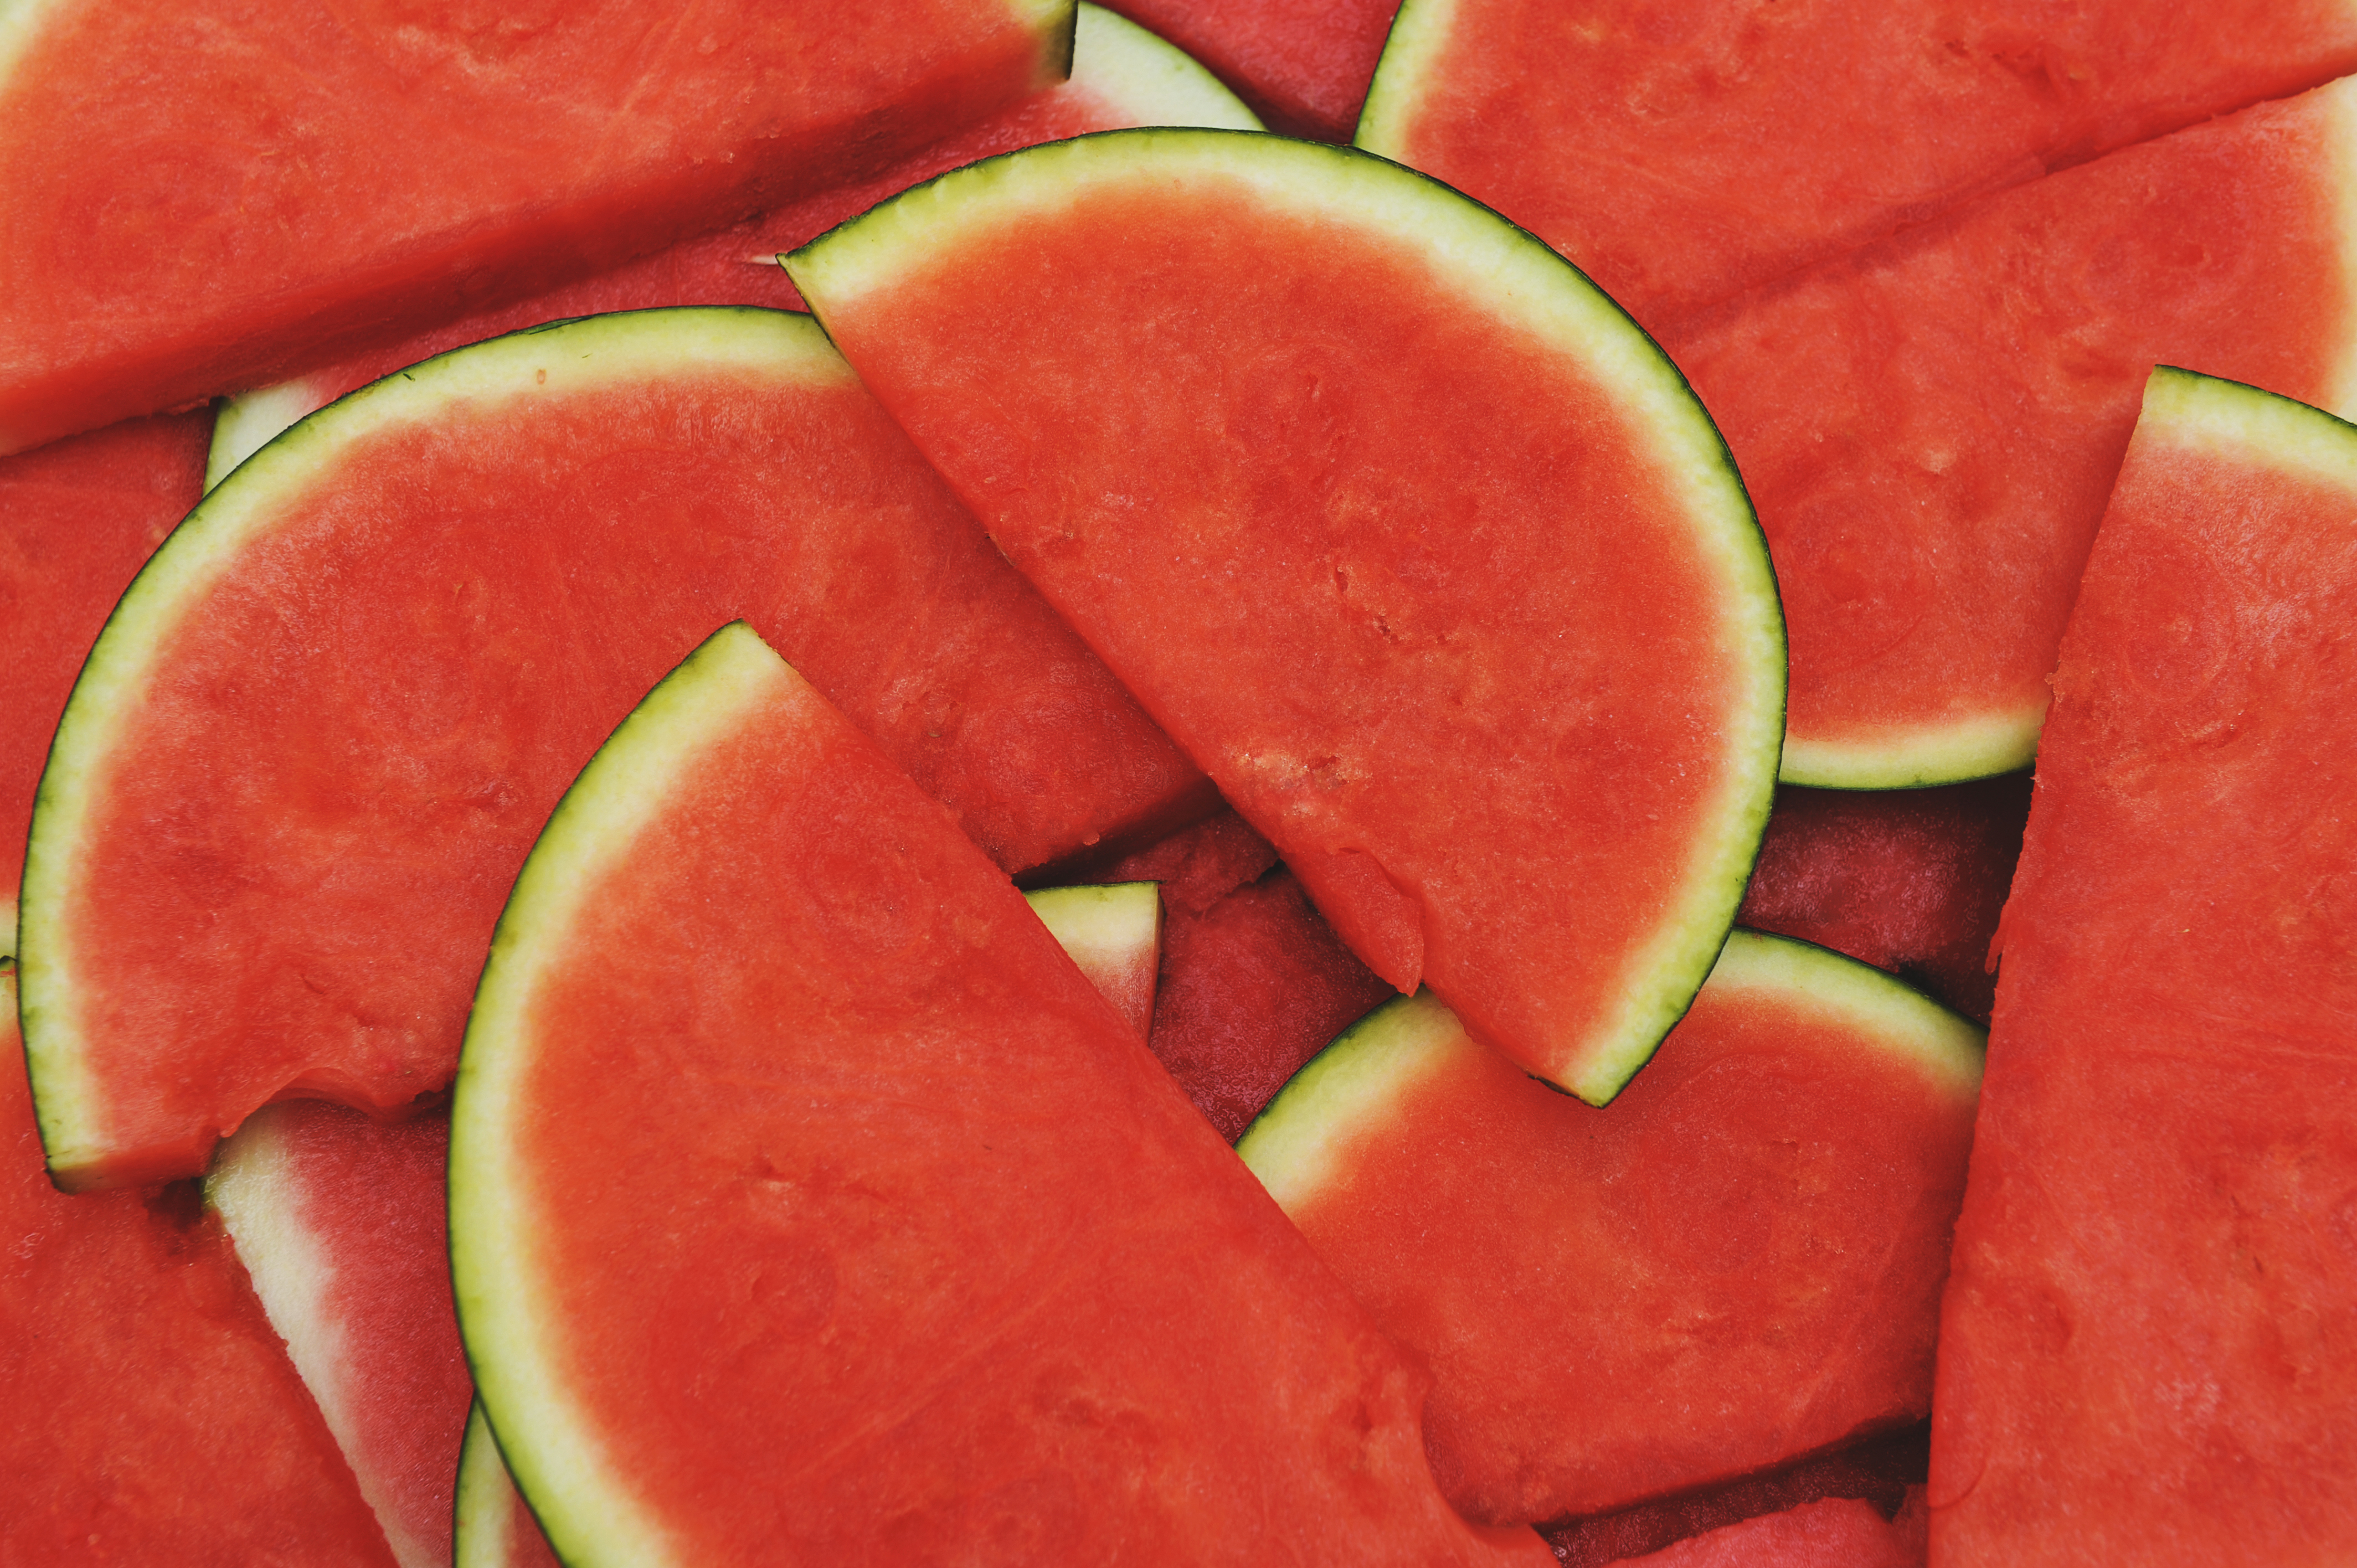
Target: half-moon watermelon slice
x=1681 y=151
x=318 y=736
x=806 y=1203
x=1122 y=75
x=1736 y=1264
x=206 y=197
x=1412 y=539
x=2149 y=1350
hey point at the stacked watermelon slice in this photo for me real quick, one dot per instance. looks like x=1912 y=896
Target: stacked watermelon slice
x=804 y=1199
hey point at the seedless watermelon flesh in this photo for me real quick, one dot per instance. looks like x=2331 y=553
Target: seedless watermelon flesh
x=1403 y=531
x=1122 y=75
x=1735 y=1264
x=207 y=198
x=1931 y=426
x=806 y=1202
x=410 y=621
x=2149 y=1344
x=1681 y=151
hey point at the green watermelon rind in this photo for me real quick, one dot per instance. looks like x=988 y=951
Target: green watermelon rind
x=1115 y=918
x=1368 y=1076
x=1420 y=30
x=546 y=360
x=1530 y=288
x=1113 y=58
x=485 y=1501
x=584 y=1503
x=2259 y=426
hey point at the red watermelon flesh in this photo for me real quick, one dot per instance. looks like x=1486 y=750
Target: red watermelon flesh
x=151 y=1414
x=1736 y=1264
x=1197 y=866
x=1251 y=989
x=1839 y=1532
x=340 y=1223
x=1908 y=881
x=209 y=197
x=1117 y=79
x=1364 y=459
x=1885 y=1470
x=778 y=1139
x=448 y=613
x=1681 y=151
x=1303 y=65
x=80 y=517
x=2150 y=1352
x=1930 y=427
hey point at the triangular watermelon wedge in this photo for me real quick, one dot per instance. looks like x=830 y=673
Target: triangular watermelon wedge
x=806 y=1202
x=1412 y=539
x=203 y=198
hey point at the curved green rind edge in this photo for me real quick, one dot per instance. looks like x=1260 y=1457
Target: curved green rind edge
x=577 y=355
x=483 y=1507
x=1420 y=31
x=584 y=1503
x=2262 y=428
x=1366 y=1080
x=1530 y=288
x=1137 y=71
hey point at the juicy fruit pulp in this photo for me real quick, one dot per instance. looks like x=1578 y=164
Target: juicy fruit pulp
x=1369 y=507
x=410 y=620
x=2162 y=1173
x=1736 y=1264
x=245 y=207
x=772 y=1139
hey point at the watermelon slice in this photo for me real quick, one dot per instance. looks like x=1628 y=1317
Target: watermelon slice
x=1369 y=497
x=1737 y=1263
x=2149 y=1351
x=205 y=198
x=82 y=516
x=1681 y=151
x=1122 y=75
x=1930 y=427
x=411 y=621
x=776 y=1139
x=340 y=1223
x=151 y=1414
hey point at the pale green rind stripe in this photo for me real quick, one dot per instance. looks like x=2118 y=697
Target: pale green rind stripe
x=583 y=1499
x=2338 y=392
x=1149 y=80
x=1980 y=747
x=244 y=425
x=1368 y=1077
x=544 y=362
x=1529 y=288
x=2252 y=426
x=1118 y=921
x=21 y=22
x=485 y=1506
x=1420 y=31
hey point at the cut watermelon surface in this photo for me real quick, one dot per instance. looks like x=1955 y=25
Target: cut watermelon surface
x=338 y=1222
x=2150 y=1345
x=1930 y=427
x=77 y=519
x=776 y=1139
x=1736 y=1263
x=1681 y=151
x=1368 y=496
x=409 y=624
x=152 y=1415
x=1122 y=76
x=209 y=197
